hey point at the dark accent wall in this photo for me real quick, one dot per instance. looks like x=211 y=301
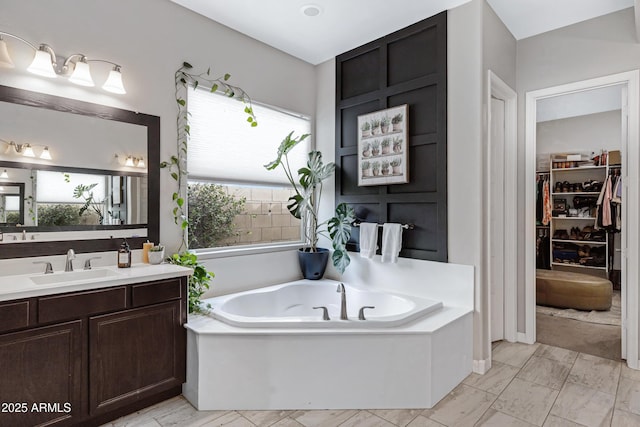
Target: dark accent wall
x=405 y=67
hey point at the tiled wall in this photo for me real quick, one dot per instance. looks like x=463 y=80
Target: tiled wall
x=266 y=218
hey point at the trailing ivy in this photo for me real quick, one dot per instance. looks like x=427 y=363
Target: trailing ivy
x=184 y=79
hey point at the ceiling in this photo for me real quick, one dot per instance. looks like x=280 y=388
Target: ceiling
x=342 y=25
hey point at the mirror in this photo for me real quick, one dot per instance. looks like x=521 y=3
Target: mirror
x=11 y=203
x=101 y=163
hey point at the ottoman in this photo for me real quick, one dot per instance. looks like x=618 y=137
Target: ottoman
x=565 y=289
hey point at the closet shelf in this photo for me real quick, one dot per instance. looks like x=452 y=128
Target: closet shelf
x=577 y=168
x=580 y=193
x=569 y=264
x=586 y=242
x=591 y=218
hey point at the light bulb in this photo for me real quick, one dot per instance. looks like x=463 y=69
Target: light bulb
x=42 y=64
x=114 y=82
x=82 y=74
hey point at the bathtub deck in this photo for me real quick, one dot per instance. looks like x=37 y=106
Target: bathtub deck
x=408 y=366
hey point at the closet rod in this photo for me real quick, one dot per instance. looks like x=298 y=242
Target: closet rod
x=405 y=226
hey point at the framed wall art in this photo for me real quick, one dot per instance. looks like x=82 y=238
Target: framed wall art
x=383 y=155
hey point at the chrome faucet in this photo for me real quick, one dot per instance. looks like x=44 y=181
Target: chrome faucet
x=343 y=302
x=71 y=255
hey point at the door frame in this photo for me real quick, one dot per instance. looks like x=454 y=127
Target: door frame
x=500 y=90
x=630 y=217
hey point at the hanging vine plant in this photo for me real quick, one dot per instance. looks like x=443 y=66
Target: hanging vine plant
x=184 y=79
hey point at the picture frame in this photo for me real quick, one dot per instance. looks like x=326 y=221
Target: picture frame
x=383 y=142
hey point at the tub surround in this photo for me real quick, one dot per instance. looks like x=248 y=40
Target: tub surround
x=413 y=365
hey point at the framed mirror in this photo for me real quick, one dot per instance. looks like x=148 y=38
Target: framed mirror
x=89 y=174
x=11 y=203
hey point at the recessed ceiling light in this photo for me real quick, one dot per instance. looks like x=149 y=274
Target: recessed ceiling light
x=311 y=10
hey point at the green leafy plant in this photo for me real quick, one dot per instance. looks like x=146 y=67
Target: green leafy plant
x=365 y=126
x=84 y=192
x=397 y=119
x=385 y=121
x=305 y=203
x=198 y=281
x=58 y=214
x=211 y=214
x=185 y=78
x=157 y=248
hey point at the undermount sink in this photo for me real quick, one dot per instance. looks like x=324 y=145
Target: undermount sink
x=72 y=276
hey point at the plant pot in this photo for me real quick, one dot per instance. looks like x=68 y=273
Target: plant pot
x=313 y=264
x=156 y=257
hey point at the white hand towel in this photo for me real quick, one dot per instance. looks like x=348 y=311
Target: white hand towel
x=391 y=242
x=368 y=239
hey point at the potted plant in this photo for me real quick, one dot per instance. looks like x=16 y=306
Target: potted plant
x=375 y=148
x=395 y=165
x=375 y=126
x=305 y=204
x=156 y=254
x=366 y=168
x=385 y=167
x=397 y=145
x=375 y=166
x=384 y=124
x=366 y=129
x=366 y=149
x=396 y=121
x=386 y=146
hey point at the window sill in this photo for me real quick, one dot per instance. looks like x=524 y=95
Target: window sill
x=204 y=254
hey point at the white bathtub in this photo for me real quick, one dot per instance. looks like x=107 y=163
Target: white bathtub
x=290 y=305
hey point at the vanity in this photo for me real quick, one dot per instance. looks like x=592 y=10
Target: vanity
x=86 y=347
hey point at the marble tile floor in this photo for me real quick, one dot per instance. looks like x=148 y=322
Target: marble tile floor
x=528 y=385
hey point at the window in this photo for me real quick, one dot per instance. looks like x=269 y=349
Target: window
x=232 y=199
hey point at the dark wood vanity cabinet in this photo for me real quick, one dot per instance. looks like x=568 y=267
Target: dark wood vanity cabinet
x=85 y=358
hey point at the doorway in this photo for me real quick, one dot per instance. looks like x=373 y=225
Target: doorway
x=500 y=210
x=629 y=236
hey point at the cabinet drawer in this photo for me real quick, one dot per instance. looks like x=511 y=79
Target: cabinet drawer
x=80 y=304
x=14 y=315
x=152 y=293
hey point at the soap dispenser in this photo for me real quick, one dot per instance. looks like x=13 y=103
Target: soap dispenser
x=124 y=255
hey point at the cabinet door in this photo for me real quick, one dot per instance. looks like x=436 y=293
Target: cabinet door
x=135 y=354
x=41 y=375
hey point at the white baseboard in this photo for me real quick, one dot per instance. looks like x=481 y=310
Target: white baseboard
x=522 y=337
x=481 y=366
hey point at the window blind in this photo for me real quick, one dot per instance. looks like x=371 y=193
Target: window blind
x=223 y=146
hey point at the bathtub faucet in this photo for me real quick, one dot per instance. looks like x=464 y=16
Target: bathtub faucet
x=343 y=303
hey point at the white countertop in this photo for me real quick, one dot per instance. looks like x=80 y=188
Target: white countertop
x=22 y=286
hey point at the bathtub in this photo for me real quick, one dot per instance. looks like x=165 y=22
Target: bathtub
x=268 y=349
x=291 y=305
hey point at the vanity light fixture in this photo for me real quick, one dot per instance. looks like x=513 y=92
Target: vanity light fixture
x=76 y=67
x=26 y=149
x=4 y=175
x=129 y=161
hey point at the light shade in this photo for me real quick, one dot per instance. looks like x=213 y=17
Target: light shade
x=82 y=75
x=141 y=163
x=129 y=161
x=5 y=59
x=46 y=155
x=42 y=64
x=27 y=151
x=4 y=174
x=114 y=82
